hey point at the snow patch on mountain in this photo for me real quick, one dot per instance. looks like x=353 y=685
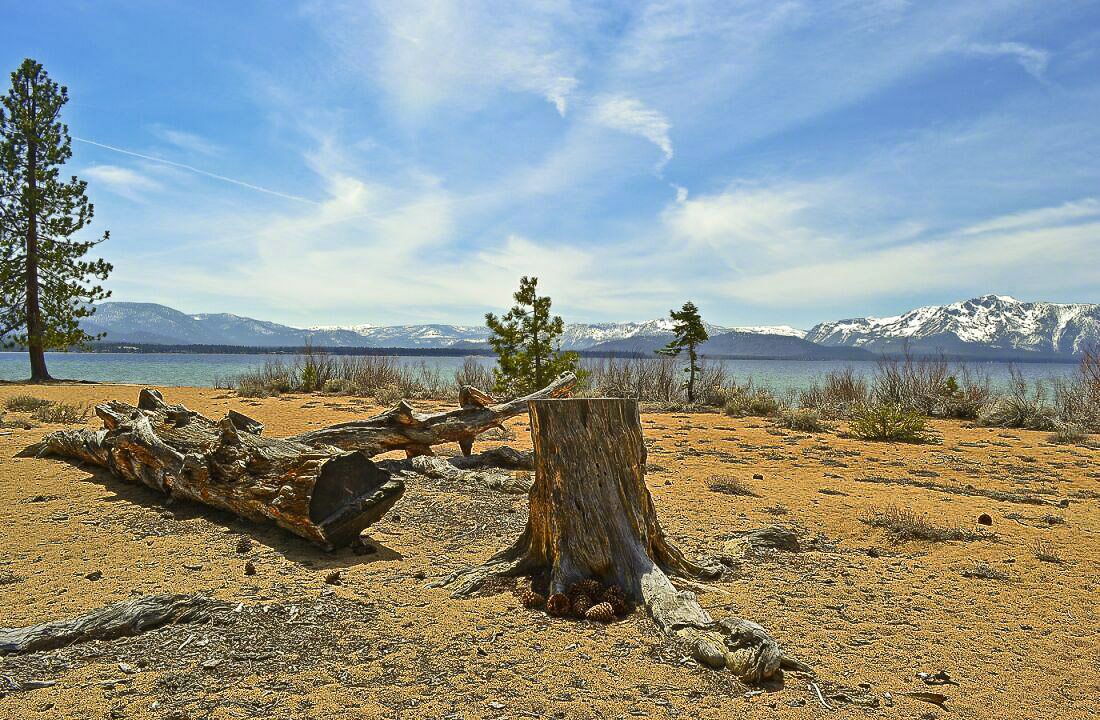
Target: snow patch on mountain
x=994 y=321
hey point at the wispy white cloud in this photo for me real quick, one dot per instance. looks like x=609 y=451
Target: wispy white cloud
x=630 y=115
x=124 y=181
x=1033 y=60
x=186 y=140
x=426 y=53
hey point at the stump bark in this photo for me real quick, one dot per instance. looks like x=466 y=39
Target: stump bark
x=591 y=515
x=320 y=493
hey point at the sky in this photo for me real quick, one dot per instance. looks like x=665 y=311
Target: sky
x=776 y=162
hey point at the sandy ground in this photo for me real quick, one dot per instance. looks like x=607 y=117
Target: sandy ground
x=867 y=613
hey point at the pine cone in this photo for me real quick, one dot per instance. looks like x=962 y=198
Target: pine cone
x=615 y=597
x=592 y=588
x=581 y=603
x=602 y=612
x=532 y=599
x=558 y=605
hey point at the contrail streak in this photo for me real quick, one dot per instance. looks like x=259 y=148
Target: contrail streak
x=223 y=178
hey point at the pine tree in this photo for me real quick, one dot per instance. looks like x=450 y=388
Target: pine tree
x=525 y=340
x=690 y=332
x=45 y=282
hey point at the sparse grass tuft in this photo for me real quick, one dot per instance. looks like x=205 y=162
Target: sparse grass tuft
x=67 y=413
x=803 y=420
x=984 y=571
x=25 y=403
x=729 y=485
x=1045 y=552
x=889 y=422
x=1069 y=434
x=745 y=400
x=388 y=396
x=904 y=524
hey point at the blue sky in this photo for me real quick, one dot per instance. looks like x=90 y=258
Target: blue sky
x=776 y=162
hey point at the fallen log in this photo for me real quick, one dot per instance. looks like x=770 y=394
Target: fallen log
x=402 y=428
x=129 y=617
x=592 y=518
x=320 y=493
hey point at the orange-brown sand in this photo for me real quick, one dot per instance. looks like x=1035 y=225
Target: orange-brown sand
x=381 y=645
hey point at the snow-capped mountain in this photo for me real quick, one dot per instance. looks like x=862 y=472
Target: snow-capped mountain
x=577 y=336
x=152 y=323
x=986 y=325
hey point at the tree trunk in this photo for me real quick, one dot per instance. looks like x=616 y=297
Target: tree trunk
x=402 y=428
x=35 y=347
x=319 y=493
x=592 y=517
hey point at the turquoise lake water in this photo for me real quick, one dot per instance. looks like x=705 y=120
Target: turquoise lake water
x=180 y=369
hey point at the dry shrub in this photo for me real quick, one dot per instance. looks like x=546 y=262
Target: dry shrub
x=889 y=422
x=906 y=524
x=1045 y=552
x=25 y=403
x=1069 y=434
x=389 y=395
x=729 y=485
x=1022 y=407
x=67 y=413
x=984 y=571
x=746 y=400
x=803 y=420
x=837 y=393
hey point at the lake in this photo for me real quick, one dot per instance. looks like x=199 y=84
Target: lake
x=182 y=369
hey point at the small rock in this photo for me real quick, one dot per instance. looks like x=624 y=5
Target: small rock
x=872 y=552
x=127 y=668
x=211 y=664
x=985 y=519
x=757 y=476
x=193 y=566
x=94 y=575
x=420 y=575
x=244 y=544
x=250 y=568
x=395 y=518
x=168 y=515
x=334 y=578
x=1063 y=503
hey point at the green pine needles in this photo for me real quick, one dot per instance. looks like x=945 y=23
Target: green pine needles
x=527 y=343
x=690 y=333
x=46 y=284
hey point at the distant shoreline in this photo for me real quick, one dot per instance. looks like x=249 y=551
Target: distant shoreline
x=198 y=349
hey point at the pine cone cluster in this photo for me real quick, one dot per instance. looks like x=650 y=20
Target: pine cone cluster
x=589 y=599
x=601 y=612
x=558 y=605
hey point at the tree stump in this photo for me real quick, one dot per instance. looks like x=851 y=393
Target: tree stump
x=591 y=516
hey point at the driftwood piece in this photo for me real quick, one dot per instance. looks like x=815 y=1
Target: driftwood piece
x=320 y=493
x=402 y=428
x=129 y=617
x=592 y=517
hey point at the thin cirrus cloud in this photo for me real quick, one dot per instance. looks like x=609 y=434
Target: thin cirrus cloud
x=630 y=115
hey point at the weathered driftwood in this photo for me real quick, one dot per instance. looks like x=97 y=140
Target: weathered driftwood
x=402 y=428
x=592 y=516
x=320 y=493
x=129 y=617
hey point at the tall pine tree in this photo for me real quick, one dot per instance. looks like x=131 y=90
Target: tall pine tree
x=46 y=285
x=526 y=342
x=690 y=333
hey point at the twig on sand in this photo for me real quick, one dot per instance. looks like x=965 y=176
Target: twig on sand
x=820 y=698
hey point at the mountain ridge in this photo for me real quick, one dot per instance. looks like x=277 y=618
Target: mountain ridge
x=987 y=327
